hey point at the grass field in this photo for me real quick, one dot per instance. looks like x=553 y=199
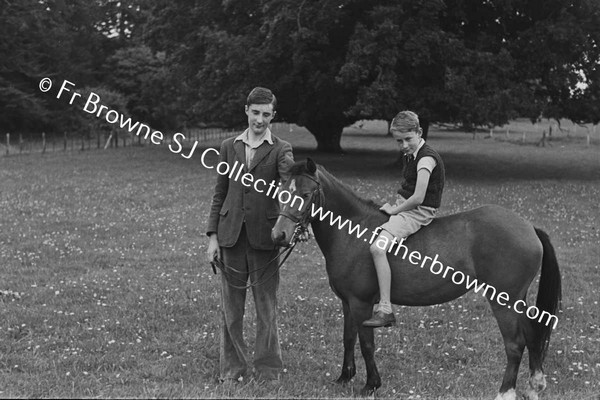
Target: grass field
x=105 y=291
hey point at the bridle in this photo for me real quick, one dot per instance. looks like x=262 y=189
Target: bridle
x=301 y=228
x=301 y=234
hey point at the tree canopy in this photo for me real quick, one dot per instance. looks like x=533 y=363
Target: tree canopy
x=330 y=63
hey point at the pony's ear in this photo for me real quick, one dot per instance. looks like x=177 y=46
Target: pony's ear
x=311 y=166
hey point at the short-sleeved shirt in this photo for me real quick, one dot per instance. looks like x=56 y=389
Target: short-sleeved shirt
x=427 y=162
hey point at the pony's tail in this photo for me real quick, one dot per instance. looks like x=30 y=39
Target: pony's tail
x=549 y=295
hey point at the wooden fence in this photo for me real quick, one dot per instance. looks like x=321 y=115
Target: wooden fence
x=15 y=144
x=543 y=133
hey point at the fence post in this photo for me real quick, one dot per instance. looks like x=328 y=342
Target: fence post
x=523 y=139
x=108 y=141
x=43 y=142
x=7 y=143
x=491 y=133
x=507 y=133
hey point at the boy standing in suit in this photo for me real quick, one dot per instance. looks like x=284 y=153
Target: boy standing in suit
x=239 y=230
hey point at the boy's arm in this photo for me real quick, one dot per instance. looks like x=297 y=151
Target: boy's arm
x=221 y=189
x=418 y=196
x=424 y=169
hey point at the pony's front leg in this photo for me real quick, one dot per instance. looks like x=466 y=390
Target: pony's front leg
x=350 y=334
x=360 y=312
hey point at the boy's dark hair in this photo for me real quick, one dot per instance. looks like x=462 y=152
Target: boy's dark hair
x=261 y=95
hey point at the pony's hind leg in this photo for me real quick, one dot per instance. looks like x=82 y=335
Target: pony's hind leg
x=537 y=380
x=350 y=336
x=514 y=345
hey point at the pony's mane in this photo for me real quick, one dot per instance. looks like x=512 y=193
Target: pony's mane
x=299 y=168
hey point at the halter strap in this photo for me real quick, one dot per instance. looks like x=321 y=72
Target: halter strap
x=304 y=219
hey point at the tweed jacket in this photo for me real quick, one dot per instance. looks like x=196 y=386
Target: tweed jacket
x=234 y=204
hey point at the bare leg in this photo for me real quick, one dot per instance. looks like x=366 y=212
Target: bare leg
x=379 y=250
x=384 y=315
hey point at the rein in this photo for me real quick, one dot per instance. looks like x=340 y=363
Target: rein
x=226 y=270
x=301 y=234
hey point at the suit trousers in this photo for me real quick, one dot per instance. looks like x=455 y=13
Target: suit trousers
x=250 y=264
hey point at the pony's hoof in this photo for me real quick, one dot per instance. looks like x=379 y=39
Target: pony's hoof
x=530 y=394
x=346 y=376
x=368 y=391
x=511 y=394
x=537 y=381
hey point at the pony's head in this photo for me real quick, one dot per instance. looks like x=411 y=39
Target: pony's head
x=295 y=216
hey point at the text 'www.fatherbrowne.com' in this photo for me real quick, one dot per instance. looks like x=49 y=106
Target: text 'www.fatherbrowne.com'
x=436 y=267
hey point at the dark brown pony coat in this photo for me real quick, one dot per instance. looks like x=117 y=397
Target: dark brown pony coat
x=489 y=243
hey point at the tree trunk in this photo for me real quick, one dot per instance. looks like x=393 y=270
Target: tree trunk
x=328 y=138
x=424 y=122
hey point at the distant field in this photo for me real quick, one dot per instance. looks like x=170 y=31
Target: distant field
x=105 y=291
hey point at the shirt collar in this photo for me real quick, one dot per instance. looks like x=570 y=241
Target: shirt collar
x=267 y=137
x=421 y=144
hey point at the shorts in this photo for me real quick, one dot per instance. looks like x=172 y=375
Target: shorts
x=408 y=222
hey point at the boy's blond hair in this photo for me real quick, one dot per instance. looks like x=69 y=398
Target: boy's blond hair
x=405 y=121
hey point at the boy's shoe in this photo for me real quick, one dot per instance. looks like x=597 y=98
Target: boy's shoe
x=380 y=319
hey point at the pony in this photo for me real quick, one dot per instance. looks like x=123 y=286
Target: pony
x=489 y=243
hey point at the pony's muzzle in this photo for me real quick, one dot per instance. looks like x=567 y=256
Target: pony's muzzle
x=279 y=238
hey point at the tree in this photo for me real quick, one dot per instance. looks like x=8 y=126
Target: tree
x=334 y=62
x=295 y=49
x=476 y=63
x=331 y=63
x=142 y=77
x=46 y=39
x=559 y=55
x=90 y=123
